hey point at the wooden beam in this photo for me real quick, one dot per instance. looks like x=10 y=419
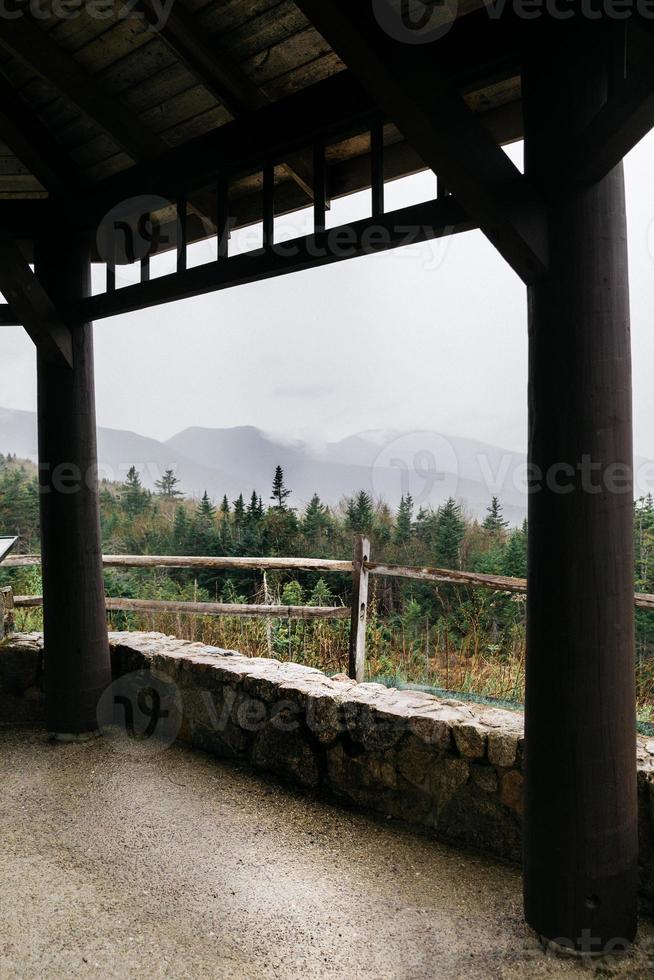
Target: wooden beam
x=213 y=67
x=25 y=218
x=7 y=316
x=618 y=126
x=32 y=305
x=408 y=226
x=218 y=72
x=332 y=108
x=24 y=133
x=405 y=81
x=27 y=42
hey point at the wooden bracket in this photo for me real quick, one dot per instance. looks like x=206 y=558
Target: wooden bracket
x=618 y=126
x=32 y=305
x=405 y=82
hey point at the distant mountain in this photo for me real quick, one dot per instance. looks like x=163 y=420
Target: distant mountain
x=385 y=463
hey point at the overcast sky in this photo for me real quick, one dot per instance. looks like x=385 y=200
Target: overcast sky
x=429 y=337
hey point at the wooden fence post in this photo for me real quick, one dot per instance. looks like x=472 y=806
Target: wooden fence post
x=6 y=611
x=357 y=663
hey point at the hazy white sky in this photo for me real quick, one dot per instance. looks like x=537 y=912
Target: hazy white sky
x=430 y=337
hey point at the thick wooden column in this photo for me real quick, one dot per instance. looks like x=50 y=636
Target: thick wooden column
x=77 y=668
x=581 y=806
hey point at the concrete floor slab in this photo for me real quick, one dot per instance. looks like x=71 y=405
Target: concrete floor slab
x=178 y=865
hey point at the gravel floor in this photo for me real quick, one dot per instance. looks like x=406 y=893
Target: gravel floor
x=177 y=865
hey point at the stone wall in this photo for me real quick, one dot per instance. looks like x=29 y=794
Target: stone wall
x=450 y=767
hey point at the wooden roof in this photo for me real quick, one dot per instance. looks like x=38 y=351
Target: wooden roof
x=83 y=99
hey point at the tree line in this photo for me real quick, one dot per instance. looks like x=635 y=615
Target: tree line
x=451 y=620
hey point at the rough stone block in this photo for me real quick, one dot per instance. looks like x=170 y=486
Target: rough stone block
x=471 y=739
x=20 y=666
x=511 y=791
x=502 y=748
x=286 y=753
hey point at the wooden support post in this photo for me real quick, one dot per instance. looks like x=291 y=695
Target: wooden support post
x=319 y=188
x=357 y=663
x=182 y=232
x=581 y=841
x=377 y=167
x=77 y=666
x=6 y=611
x=222 y=218
x=268 y=205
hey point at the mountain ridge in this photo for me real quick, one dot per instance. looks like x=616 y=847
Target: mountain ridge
x=240 y=459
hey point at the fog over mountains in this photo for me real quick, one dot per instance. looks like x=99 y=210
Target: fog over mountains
x=386 y=464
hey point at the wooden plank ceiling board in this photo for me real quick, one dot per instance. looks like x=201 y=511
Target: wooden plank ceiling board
x=102 y=94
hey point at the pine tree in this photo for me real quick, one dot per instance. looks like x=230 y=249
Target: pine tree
x=514 y=558
x=224 y=507
x=206 y=511
x=167 y=485
x=450 y=529
x=180 y=529
x=204 y=530
x=316 y=520
x=404 y=520
x=279 y=491
x=360 y=514
x=494 y=521
x=134 y=498
x=255 y=510
x=239 y=511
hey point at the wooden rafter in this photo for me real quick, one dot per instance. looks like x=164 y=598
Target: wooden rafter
x=32 y=306
x=214 y=68
x=33 y=144
x=27 y=42
x=220 y=74
x=273 y=132
x=405 y=81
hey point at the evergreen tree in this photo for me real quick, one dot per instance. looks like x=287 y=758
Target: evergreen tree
x=360 y=514
x=514 y=559
x=180 y=529
x=279 y=490
x=167 y=485
x=239 y=511
x=224 y=507
x=321 y=594
x=204 y=530
x=134 y=498
x=255 y=509
x=450 y=529
x=404 y=520
x=316 y=520
x=494 y=521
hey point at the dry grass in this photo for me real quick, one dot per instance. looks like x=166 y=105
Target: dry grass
x=494 y=673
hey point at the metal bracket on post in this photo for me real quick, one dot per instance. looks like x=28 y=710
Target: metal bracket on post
x=357 y=662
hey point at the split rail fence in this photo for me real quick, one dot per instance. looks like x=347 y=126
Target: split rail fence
x=360 y=568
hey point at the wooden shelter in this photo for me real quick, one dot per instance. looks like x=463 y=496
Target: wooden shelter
x=134 y=129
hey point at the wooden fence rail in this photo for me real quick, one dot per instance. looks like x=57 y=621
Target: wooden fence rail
x=360 y=568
